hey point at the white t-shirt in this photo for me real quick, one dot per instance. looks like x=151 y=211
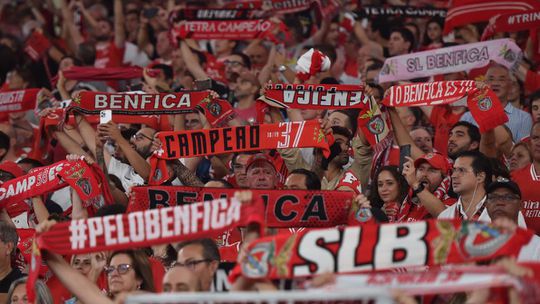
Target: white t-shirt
x=125 y=173
x=531 y=251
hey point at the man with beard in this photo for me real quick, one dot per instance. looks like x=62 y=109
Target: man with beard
x=246 y=89
x=428 y=178
x=464 y=136
x=135 y=151
x=335 y=177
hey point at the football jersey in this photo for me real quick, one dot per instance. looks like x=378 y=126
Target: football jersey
x=528 y=181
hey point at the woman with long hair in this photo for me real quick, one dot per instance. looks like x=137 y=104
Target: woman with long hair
x=433 y=34
x=388 y=189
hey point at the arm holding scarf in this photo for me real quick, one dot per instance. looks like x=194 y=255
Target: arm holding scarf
x=402 y=135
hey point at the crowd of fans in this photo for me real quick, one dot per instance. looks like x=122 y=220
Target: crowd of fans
x=453 y=170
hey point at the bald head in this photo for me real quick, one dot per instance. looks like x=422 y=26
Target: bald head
x=180 y=279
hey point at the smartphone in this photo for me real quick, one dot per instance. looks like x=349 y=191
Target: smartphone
x=105 y=116
x=150 y=13
x=205 y=84
x=404 y=152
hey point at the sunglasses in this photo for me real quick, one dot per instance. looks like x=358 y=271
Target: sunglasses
x=121 y=269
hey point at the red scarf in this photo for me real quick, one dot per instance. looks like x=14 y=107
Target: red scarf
x=136 y=104
x=36 y=45
x=284 y=209
x=84 y=178
x=221 y=29
x=378 y=247
x=102 y=74
x=512 y=23
x=298 y=134
x=18 y=101
x=321 y=96
x=277 y=6
x=143 y=229
x=484 y=105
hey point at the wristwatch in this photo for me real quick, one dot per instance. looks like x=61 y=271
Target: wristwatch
x=419 y=188
x=282 y=68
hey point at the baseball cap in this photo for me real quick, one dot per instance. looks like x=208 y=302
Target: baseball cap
x=504 y=183
x=436 y=160
x=11 y=168
x=260 y=157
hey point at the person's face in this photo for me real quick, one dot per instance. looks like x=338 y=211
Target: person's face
x=142 y=141
x=423 y=140
x=464 y=180
x=192 y=257
x=498 y=79
x=535 y=110
x=177 y=60
x=397 y=45
x=340 y=120
x=372 y=76
x=19 y=295
x=434 y=31
x=261 y=175
x=308 y=114
x=387 y=187
x=258 y=56
x=239 y=169
x=132 y=23
x=503 y=203
x=406 y=116
x=296 y=182
x=82 y=262
x=122 y=282
x=163 y=44
x=363 y=56
x=103 y=31
x=234 y=65
x=425 y=173
x=16 y=82
x=343 y=158
x=223 y=46
x=193 y=121
x=535 y=142
x=459 y=141
x=513 y=94
x=519 y=157
x=180 y=279
x=244 y=88
x=65 y=64
x=333 y=34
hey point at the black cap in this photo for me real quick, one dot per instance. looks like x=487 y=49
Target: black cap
x=504 y=183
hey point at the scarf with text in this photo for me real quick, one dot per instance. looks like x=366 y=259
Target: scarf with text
x=320 y=96
x=275 y=6
x=450 y=59
x=144 y=228
x=284 y=135
x=377 y=247
x=512 y=23
x=221 y=29
x=136 y=104
x=402 y=11
x=483 y=104
x=284 y=209
x=87 y=180
x=18 y=101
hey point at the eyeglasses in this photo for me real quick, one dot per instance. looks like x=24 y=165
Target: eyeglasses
x=508 y=198
x=140 y=136
x=460 y=171
x=190 y=264
x=233 y=63
x=121 y=268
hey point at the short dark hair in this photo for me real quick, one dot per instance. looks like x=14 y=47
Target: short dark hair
x=534 y=96
x=342 y=131
x=406 y=34
x=479 y=164
x=210 y=249
x=4 y=142
x=111 y=210
x=472 y=130
x=167 y=70
x=8 y=234
x=312 y=180
x=225 y=183
x=30 y=161
x=352 y=114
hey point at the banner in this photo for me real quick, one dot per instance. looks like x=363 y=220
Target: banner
x=36 y=45
x=463 y=12
x=373 y=247
x=284 y=135
x=274 y=6
x=484 y=105
x=401 y=11
x=17 y=101
x=512 y=23
x=450 y=59
x=283 y=208
x=87 y=180
x=310 y=96
x=191 y=14
x=221 y=29
x=136 y=104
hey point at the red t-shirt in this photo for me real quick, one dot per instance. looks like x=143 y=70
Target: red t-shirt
x=108 y=55
x=528 y=181
x=442 y=120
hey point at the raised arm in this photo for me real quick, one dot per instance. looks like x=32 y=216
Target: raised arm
x=119 y=32
x=402 y=135
x=191 y=62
